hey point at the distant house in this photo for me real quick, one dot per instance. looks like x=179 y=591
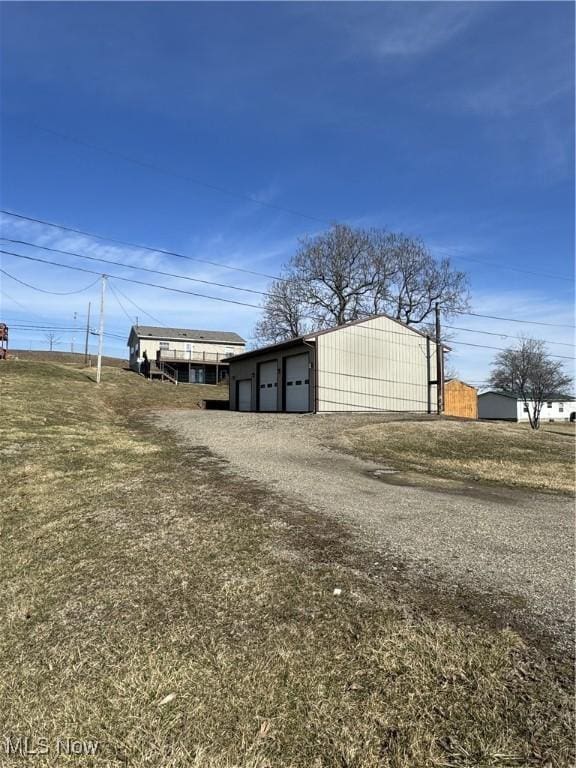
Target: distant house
x=371 y=365
x=460 y=399
x=507 y=406
x=184 y=354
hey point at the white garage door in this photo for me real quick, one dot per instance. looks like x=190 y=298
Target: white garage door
x=268 y=386
x=245 y=395
x=297 y=383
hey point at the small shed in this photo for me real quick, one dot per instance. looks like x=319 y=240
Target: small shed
x=460 y=399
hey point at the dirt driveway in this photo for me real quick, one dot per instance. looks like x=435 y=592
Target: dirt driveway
x=514 y=548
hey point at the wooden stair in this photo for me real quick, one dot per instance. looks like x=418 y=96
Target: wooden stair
x=164 y=372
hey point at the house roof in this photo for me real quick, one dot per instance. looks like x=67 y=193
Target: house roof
x=554 y=397
x=310 y=337
x=184 y=334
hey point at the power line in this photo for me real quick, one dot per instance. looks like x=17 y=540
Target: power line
x=446 y=342
x=114 y=336
x=246 y=198
x=502 y=266
x=136 y=245
x=22 y=306
x=130 y=318
x=176 y=174
x=503 y=335
x=501 y=349
x=60 y=328
x=232 y=301
x=156 y=320
x=130 y=280
x=133 y=266
x=376 y=395
x=512 y=319
x=42 y=290
x=179 y=255
x=40 y=327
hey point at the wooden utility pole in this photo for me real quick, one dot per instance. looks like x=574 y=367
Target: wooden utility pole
x=74 y=333
x=439 y=364
x=87 y=335
x=101 y=331
x=428 y=376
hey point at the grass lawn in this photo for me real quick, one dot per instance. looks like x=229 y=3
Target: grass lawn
x=182 y=618
x=75 y=358
x=500 y=453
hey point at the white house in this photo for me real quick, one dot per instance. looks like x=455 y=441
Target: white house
x=506 y=406
x=184 y=354
x=377 y=364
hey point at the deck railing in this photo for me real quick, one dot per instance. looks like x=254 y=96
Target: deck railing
x=189 y=355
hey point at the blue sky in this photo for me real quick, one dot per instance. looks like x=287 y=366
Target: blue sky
x=450 y=121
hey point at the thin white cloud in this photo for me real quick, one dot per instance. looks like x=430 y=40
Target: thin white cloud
x=419 y=28
x=514 y=92
x=171 y=308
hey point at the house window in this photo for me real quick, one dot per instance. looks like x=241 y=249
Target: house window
x=525 y=409
x=561 y=407
x=549 y=404
x=164 y=345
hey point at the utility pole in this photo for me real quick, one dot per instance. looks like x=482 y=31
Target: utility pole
x=101 y=330
x=87 y=336
x=74 y=333
x=428 y=376
x=439 y=364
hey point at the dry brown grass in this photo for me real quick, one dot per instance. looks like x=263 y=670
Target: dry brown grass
x=74 y=358
x=133 y=569
x=499 y=453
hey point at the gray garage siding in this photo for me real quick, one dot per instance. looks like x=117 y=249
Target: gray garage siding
x=248 y=368
x=378 y=364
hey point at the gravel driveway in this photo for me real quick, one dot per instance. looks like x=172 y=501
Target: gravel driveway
x=515 y=546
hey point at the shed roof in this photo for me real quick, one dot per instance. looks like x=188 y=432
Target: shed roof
x=184 y=334
x=460 y=381
x=501 y=394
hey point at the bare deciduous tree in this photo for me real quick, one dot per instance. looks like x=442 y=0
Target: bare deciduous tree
x=282 y=316
x=419 y=281
x=528 y=371
x=345 y=274
x=335 y=275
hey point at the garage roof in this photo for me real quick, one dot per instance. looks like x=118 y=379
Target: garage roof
x=271 y=347
x=310 y=337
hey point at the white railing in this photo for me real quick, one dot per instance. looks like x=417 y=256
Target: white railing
x=190 y=355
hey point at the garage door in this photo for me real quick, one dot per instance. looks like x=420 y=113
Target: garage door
x=245 y=395
x=268 y=386
x=297 y=383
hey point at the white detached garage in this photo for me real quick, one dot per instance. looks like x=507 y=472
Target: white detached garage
x=377 y=364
